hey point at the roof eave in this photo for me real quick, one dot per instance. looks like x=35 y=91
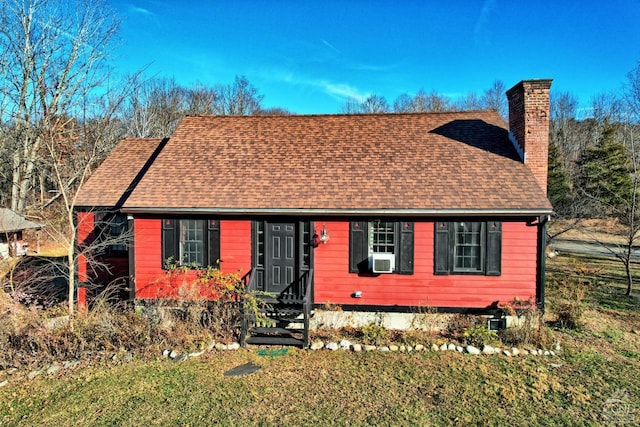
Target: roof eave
x=15 y=230
x=517 y=212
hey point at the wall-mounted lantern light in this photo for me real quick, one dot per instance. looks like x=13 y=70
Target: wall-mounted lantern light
x=324 y=234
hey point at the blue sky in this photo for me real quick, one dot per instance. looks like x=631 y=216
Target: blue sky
x=309 y=56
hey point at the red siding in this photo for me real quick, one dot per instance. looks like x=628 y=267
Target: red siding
x=107 y=267
x=84 y=231
x=334 y=283
x=235 y=246
x=150 y=278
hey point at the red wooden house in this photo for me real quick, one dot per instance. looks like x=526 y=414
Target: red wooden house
x=370 y=212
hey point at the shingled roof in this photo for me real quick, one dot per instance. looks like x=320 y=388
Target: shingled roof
x=10 y=222
x=118 y=174
x=414 y=164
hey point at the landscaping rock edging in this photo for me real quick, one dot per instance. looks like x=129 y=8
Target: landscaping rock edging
x=51 y=369
x=344 y=345
x=445 y=347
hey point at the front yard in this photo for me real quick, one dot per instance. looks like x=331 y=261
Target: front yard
x=594 y=379
x=336 y=388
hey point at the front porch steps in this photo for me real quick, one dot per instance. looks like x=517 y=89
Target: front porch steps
x=275 y=331
x=285 y=330
x=289 y=342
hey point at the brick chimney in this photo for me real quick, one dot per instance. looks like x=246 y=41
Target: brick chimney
x=529 y=124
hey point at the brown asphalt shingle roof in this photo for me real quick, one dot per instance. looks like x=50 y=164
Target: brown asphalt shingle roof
x=420 y=163
x=117 y=173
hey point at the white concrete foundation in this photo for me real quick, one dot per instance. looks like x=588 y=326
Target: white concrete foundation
x=336 y=319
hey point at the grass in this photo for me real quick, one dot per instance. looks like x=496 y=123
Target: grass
x=329 y=388
x=52 y=251
x=598 y=361
x=604 y=276
x=601 y=230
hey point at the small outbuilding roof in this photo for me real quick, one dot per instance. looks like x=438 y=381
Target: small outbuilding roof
x=10 y=222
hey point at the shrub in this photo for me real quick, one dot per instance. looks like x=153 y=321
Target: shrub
x=412 y=337
x=531 y=329
x=32 y=336
x=209 y=284
x=212 y=298
x=569 y=306
x=567 y=292
x=374 y=334
x=459 y=323
x=479 y=335
x=426 y=318
x=569 y=314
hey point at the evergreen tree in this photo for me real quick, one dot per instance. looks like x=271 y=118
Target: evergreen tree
x=559 y=185
x=605 y=174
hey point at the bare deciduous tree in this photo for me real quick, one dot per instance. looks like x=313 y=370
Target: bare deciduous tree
x=74 y=147
x=54 y=54
x=201 y=100
x=616 y=165
x=631 y=215
x=275 y=111
x=371 y=104
x=422 y=102
x=240 y=98
x=158 y=105
x=58 y=102
x=470 y=102
x=563 y=127
x=155 y=109
x=494 y=99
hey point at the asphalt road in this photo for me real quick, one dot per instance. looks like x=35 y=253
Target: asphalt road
x=589 y=248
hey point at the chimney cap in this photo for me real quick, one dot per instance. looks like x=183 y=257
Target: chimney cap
x=537 y=81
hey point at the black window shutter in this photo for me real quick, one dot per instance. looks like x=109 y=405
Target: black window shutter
x=358 y=247
x=494 y=248
x=169 y=241
x=406 y=248
x=441 y=248
x=214 y=242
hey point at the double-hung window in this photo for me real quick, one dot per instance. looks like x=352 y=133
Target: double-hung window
x=390 y=242
x=382 y=237
x=468 y=247
x=191 y=242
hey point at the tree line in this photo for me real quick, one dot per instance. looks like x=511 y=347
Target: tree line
x=62 y=110
x=594 y=163
x=422 y=101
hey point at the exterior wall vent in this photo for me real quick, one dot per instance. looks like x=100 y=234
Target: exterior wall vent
x=496 y=324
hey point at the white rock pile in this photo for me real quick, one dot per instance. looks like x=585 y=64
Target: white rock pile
x=447 y=346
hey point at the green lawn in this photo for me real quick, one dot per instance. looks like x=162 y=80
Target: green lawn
x=330 y=388
x=597 y=363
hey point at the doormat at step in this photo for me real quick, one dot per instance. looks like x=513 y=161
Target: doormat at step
x=273 y=352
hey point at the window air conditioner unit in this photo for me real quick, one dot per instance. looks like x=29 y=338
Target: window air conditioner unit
x=383 y=263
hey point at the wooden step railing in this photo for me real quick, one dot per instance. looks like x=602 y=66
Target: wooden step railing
x=249 y=286
x=307 y=305
x=303 y=300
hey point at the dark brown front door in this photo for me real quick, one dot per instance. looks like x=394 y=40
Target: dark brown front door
x=281 y=264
